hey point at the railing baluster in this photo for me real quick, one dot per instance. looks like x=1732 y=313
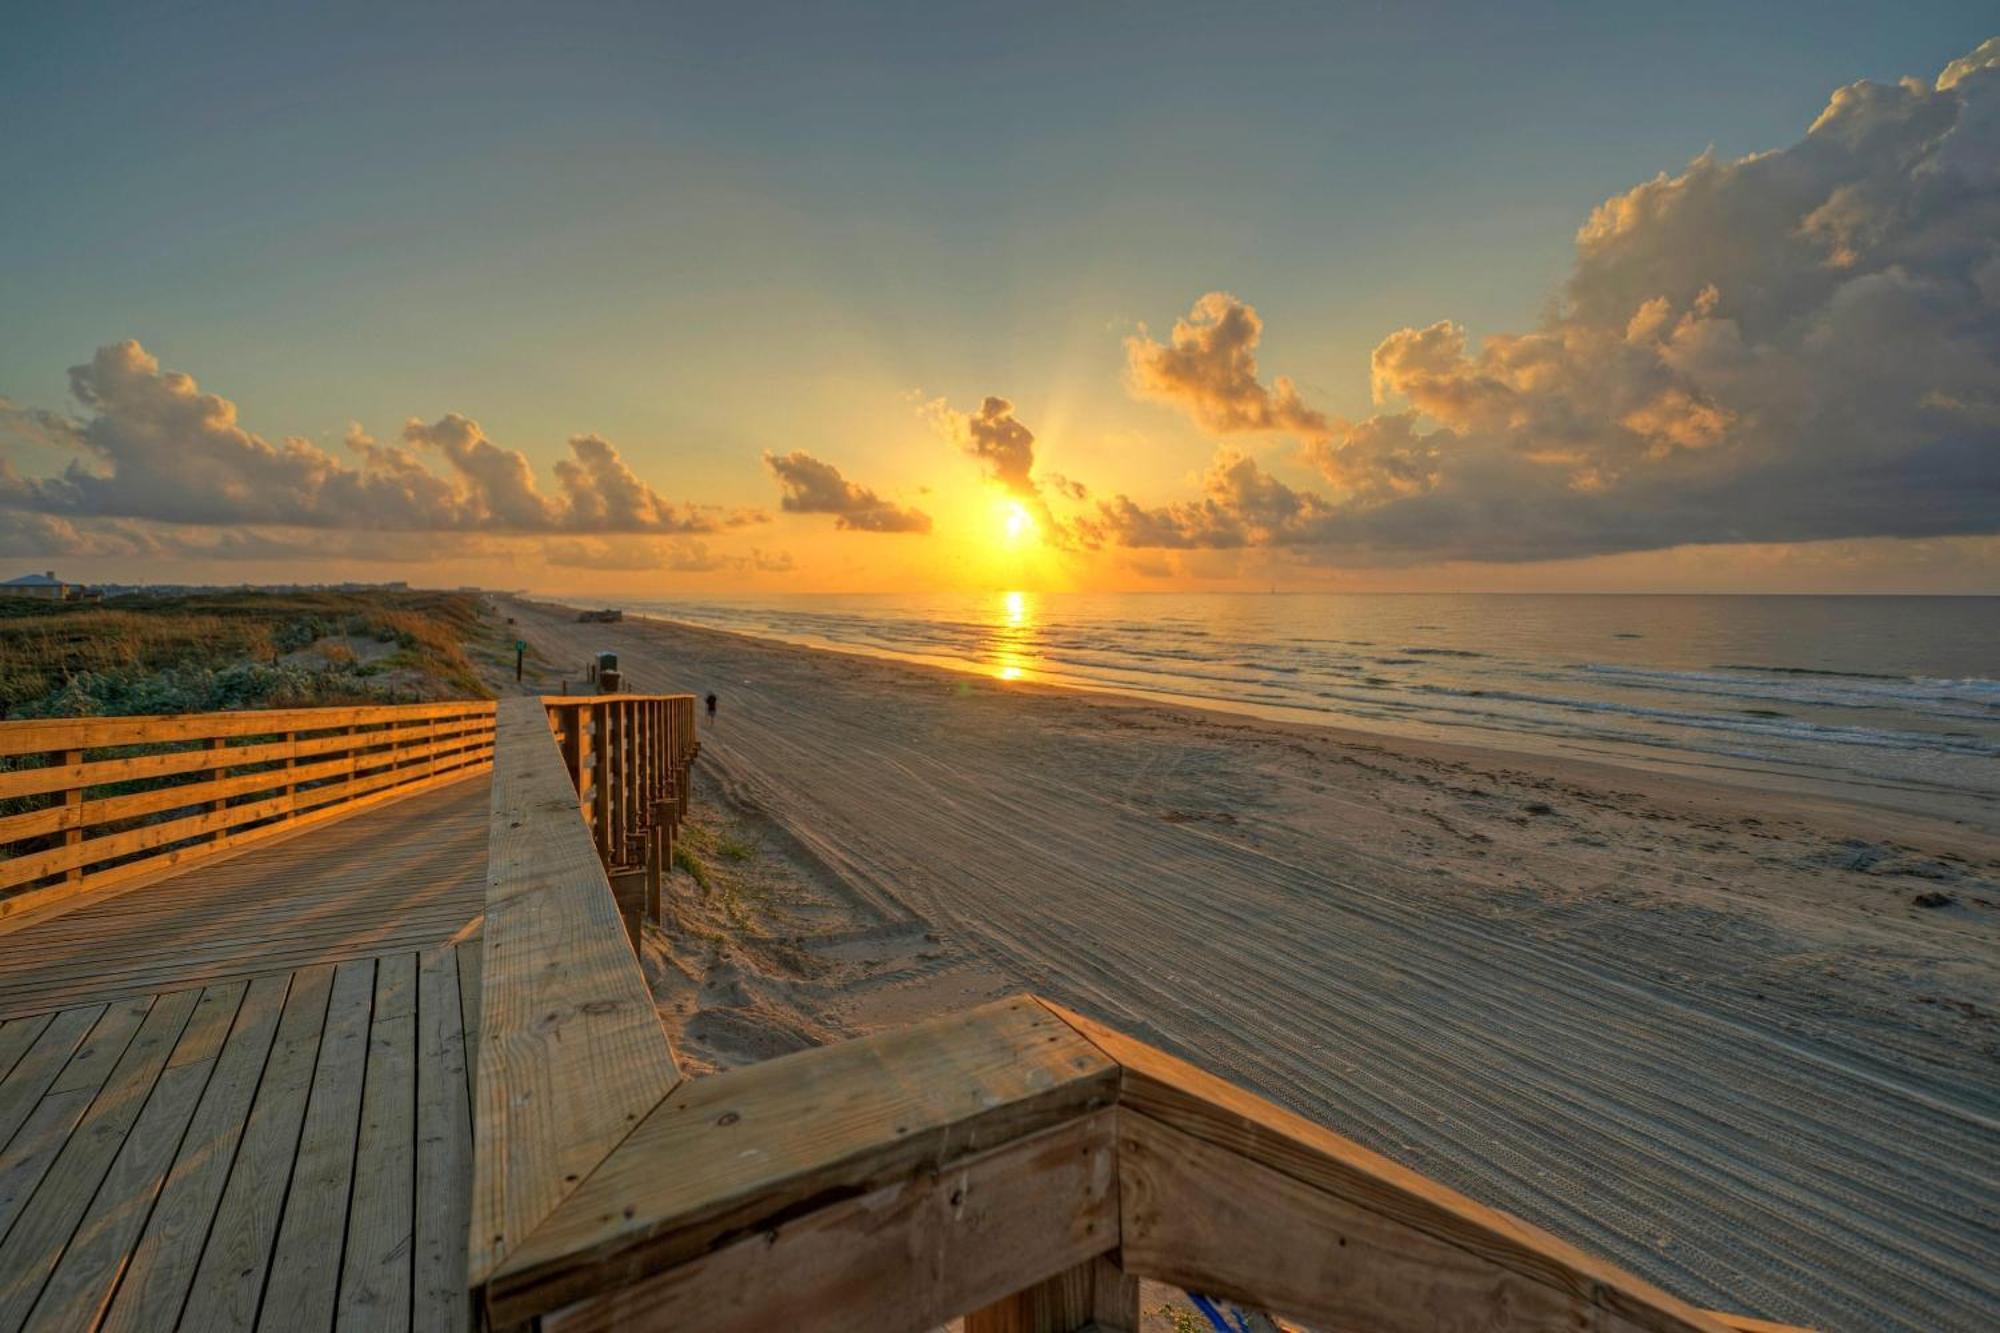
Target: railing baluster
x=72 y=809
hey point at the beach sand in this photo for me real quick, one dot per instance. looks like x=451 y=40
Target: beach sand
x=1712 y=1033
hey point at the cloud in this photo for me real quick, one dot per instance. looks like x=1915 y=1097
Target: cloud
x=1209 y=370
x=810 y=486
x=991 y=433
x=1799 y=345
x=1240 y=505
x=49 y=536
x=155 y=447
x=680 y=555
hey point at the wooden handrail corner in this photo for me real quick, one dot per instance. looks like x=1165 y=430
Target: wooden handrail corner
x=910 y=1159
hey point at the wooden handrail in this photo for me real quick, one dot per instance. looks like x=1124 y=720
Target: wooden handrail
x=105 y=802
x=571 y=1054
x=896 y=1181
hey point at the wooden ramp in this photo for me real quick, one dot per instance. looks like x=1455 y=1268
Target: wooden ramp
x=239 y=1096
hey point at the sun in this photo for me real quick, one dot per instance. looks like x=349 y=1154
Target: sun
x=1016 y=523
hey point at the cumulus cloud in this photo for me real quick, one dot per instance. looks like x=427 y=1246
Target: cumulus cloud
x=1240 y=505
x=810 y=486
x=1208 y=368
x=153 y=446
x=991 y=433
x=1799 y=345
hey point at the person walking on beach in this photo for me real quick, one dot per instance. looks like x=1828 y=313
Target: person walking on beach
x=711 y=705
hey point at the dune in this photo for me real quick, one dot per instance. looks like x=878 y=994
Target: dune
x=1740 y=1042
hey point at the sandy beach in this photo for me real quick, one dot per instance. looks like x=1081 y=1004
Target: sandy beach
x=1741 y=1043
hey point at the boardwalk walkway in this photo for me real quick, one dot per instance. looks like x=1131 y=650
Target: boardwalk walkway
x=190 y=1071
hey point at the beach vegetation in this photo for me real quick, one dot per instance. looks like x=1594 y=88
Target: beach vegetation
x=237 y=649
x=690 y=863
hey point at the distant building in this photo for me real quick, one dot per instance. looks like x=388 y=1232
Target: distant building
x=46 y=587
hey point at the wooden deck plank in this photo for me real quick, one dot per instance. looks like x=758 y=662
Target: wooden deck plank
x=32 y=1074
x=229 y=1280
x=272 y=1166
x=405 y=875
x=36 y=1240
x=222 y=937
x=88 y=1271
x=182 y=975
x=444 y=1146
x=162 y=1263
x=470 y=953
x=375 y=1272
x=305 y=1269
x=17 y=1035
x=42 y=1136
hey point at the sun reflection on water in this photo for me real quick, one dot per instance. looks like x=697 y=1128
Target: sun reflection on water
x=1012 y=632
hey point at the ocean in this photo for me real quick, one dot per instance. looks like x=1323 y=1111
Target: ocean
x=1892 y=700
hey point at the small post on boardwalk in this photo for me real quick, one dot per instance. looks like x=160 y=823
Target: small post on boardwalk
x=520 y=654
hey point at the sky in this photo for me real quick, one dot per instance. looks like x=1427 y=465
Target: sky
x=672 y=299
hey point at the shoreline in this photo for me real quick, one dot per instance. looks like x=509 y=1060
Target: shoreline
x=1971 y=808
x=1882 y=817
x=1711 y=1032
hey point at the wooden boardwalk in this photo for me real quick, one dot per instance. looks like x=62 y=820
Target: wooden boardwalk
x=239 y=1096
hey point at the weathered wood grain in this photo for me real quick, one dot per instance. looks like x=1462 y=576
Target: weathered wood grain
x=571 y=1054
x=899 y=1259
x=739 y=1152
x=304 y=1280
x=440 y=1299
x=230 y=1278
x=1192 y=1135
x=1096 y=1294
x=376 y=1261
x=37 y=736
x=161 y=1265
x=87 y=1272
x=44 y=1225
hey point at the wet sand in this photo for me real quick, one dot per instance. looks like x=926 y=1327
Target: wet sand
x=1712 y=1033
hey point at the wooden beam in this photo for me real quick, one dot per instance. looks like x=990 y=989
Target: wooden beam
x=1096 y=1294
x=33 y=736
x=1223 y=1192
x=899 y=1259
x=751 y=1149
x=571 y=1055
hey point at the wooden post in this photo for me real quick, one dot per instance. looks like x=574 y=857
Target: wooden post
x=621 y=776
x=73 y=804
x=600 y=779
x=661 y=840
x=216 y=774
x=571 y=741
x=1094 y=1294
x=655 y=869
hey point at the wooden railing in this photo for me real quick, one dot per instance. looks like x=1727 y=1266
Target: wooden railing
x=91 y=803
x=627 y=756
x=571 y=1054
x=1018 y=1163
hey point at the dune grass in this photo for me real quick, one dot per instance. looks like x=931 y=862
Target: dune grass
x=230 y=649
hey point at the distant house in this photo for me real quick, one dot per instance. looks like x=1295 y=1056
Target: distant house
x=47 y=587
